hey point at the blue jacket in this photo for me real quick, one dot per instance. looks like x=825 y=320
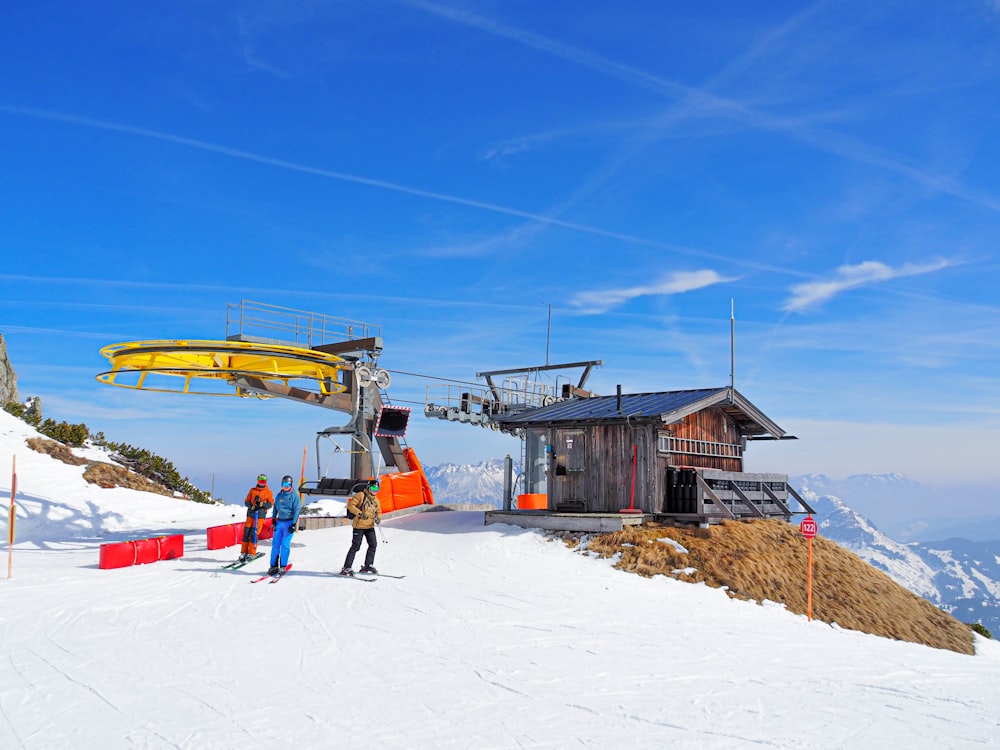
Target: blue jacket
x=287 y=506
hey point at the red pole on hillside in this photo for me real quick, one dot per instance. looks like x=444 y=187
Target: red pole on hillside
x=809 y=605
x=11 y=519
x=631 y=500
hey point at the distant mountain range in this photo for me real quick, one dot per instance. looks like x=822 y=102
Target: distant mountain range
x=960 y=576
x=909 y=511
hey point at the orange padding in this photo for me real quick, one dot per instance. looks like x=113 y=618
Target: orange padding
x=402 y=490
x=415 y=465
x=141 y=551
x=533 y=501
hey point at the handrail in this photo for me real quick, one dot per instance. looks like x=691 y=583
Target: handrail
x=257 y=319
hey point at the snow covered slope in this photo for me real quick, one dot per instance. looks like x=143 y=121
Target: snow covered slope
x=496 y=638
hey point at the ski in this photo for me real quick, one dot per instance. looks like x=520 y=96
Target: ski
x=354 y=578
x=386 y=575
x=274 y=579
x=237 y=564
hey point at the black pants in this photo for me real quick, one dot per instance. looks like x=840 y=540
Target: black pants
x=359 y=534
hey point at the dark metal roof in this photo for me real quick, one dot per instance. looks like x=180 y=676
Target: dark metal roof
x=666 y=407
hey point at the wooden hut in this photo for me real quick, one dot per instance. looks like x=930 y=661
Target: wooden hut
x=676 y=454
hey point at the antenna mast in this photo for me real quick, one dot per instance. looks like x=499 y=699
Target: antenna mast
x=732 y=350
x=548 y=337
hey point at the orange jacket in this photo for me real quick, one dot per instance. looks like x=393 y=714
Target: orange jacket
x=259 y=499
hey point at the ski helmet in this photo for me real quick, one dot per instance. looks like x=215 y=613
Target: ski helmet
x=286 y=480
x=262 y=479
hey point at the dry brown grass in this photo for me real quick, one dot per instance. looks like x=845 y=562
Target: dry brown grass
x=109 y=475
x=98 y=472
x=56 y=450
x=767 y=559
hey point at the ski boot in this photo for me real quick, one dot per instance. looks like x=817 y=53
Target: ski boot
x=273 y=570
x=345 y=571
x=370 y=570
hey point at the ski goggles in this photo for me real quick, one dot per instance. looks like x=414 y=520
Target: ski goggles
x=286 y=483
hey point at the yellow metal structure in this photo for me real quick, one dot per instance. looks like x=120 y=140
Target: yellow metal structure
x=219 y=363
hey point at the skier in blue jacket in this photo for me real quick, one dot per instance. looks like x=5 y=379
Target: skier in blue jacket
x=286 y=520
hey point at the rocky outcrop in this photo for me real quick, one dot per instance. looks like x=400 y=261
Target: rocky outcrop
x=8 y=378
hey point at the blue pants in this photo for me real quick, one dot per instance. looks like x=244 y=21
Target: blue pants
x=281 y=543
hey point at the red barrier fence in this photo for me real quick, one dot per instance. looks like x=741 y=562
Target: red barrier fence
x=229 y=534
x=141 y=551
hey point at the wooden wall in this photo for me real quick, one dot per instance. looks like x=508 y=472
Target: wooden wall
x=712 y=425
x=605 y=484
x=607 y=481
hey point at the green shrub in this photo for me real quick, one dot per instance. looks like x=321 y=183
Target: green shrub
x=158 y=469
x=141 y=461
x=978 y=627
x=70 y=434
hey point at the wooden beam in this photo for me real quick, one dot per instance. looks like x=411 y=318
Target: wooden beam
x=774 y=499
x=746 y=500
x=798 y=497
x=714 y=498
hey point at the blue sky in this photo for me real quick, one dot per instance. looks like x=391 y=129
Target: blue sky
x=449 y=170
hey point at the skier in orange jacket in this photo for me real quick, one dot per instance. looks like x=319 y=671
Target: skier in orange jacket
x=259 y=501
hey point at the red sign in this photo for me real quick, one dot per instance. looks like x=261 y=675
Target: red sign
x=809 y=527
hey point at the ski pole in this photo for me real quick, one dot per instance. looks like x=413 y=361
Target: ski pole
x=382 y=533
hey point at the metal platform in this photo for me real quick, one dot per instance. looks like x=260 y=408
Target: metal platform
x=550 y=521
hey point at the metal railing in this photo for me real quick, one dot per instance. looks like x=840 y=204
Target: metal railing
x=256 y=321
x=478 y=405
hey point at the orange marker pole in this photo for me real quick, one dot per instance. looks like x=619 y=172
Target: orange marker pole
x=809 y=588
x=302 y=477
x=809 y=529
x=11 y=519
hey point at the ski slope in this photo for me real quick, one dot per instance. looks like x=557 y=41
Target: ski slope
x=496 y=638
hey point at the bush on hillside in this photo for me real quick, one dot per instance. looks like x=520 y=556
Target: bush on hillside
x=141 y=461
x=157 y=469
x=21 y=411
x=978 y=627
x=69 y=434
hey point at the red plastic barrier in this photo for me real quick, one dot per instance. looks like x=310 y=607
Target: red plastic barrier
x=146 y=551
x=224 y=536
x=266 y=531
x=171 y=547
x=141 y=551
x=117 y=555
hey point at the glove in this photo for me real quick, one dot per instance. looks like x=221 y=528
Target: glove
x=291 y=529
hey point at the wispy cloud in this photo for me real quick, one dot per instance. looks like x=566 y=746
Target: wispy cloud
x=549 y=220
x=814 y=293
x=704 y=101
x=602 y=300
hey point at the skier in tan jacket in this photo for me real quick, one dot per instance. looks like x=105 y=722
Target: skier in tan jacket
x=365 y=513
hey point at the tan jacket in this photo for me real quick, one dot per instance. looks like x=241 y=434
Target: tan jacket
x=366 y=509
